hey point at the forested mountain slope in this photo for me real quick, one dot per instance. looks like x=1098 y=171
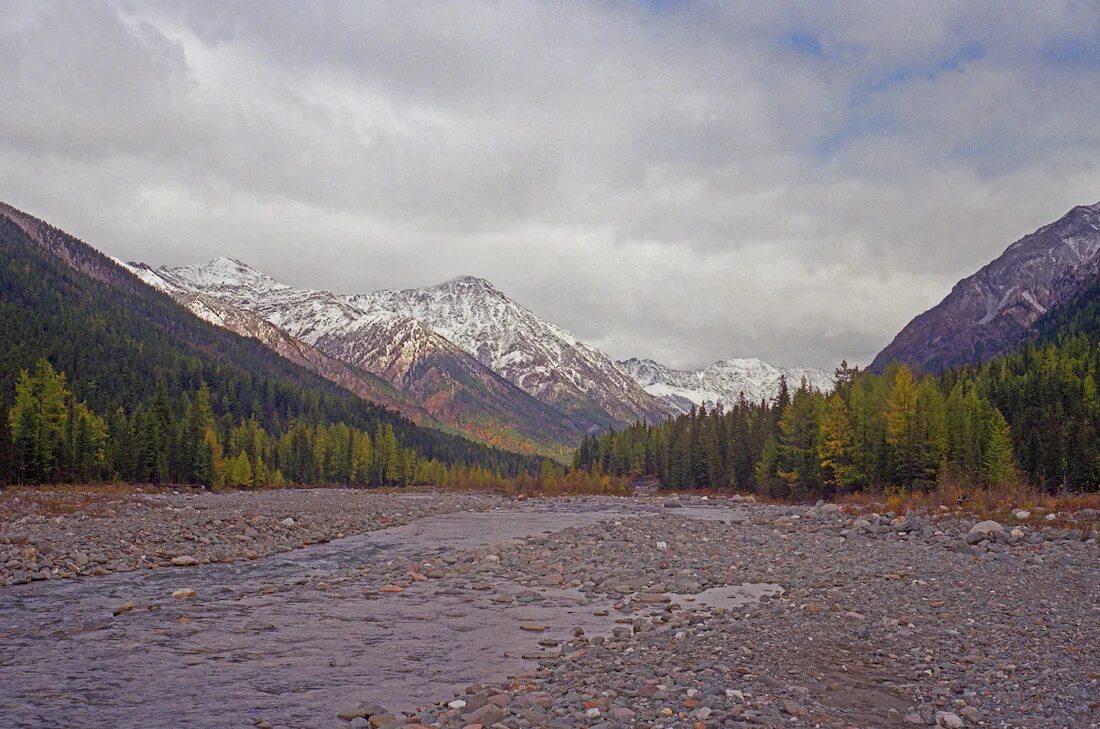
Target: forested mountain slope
x=126 y=348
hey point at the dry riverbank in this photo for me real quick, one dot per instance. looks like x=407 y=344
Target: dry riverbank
x=53 y=533
x=883 y=620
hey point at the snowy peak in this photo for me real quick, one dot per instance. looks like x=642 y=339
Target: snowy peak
x=429 y=375
x=722 y=382
x=541 y=358
x=221 y=272
x=468 y=283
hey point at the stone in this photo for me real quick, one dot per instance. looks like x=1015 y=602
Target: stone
x=184 y=560
x=351 y=714
x=359 y=723
x=391 y=588
x=287 y=522
x=794 y=708
x=123 y=608
x=947 y=720
x=984 y=530
x=487 y=715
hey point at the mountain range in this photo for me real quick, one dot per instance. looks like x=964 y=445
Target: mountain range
x=722 y=382
x=460 y=355
x=1002 y=305
x=463 y=357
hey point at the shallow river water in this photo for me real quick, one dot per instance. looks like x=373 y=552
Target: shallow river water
x=260 y=641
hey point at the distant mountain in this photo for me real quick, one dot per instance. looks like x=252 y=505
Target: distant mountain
x=114 y=336
x=722 y=382
x=998 y=308
x=421 y=371
x=541 y=358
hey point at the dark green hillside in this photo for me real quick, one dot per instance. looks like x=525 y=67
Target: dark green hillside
x=123 y=346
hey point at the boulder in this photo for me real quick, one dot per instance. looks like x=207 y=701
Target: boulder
x=984 y=530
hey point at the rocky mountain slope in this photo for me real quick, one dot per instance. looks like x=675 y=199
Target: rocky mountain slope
x=462 y=321
x=722 y=382
x=423 y=371
x=997 y=308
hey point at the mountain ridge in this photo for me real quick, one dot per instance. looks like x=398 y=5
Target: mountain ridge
x=427 y=373
x=995 y=309
x=118 y=340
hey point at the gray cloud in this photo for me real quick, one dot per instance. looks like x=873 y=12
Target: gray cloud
x=686 y=181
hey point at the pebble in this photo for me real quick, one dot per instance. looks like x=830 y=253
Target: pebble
x=184 y=560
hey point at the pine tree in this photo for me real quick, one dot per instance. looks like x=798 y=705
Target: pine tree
x=902 y=434
x=38 y=420
x=835 y=449
x=999 y=463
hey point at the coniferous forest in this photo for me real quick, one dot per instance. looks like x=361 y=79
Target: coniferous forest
x=1032 y=415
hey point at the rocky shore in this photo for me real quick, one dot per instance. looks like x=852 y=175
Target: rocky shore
x=52 y=534
x=883 y=621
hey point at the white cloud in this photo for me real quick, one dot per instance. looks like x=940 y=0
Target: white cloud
x=688 y=183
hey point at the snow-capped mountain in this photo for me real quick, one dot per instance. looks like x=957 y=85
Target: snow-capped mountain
x=240 y=321
x=722 y=382
x=541 y=358
x=994 y=310
x=426 y=371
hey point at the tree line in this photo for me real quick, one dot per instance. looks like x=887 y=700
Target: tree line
x=56 y=438
x=870 y=432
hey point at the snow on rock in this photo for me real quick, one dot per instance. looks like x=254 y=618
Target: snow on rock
x=722 y=382
x=393 y=333
x=540 y=357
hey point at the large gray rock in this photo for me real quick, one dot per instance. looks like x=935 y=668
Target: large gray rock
x=984 y=530
x=487 y=715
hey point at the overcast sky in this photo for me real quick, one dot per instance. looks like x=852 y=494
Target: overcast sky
x=685 y=181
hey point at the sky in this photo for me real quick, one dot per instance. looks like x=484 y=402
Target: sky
x=686 y=181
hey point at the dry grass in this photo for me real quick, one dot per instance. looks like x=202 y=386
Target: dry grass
x=996 y=502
